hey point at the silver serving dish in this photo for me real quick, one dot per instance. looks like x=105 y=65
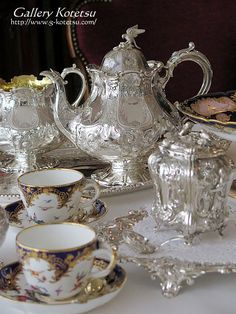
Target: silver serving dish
x=173 y=262
x=123 y=118
x=8 y=182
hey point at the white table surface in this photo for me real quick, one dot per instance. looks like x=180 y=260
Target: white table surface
x=210 y=294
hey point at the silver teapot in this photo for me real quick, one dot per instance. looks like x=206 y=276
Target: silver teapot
x=127 y=111
x=192 y=177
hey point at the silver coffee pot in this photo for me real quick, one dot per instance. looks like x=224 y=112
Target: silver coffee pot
x=127 y=111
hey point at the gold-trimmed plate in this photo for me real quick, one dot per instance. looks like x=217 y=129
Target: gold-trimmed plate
x=13 y=287
x=225 y=130
x=17 y=214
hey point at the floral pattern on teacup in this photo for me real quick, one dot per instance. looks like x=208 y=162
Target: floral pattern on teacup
x=63 y=194
x=51 y=203
x=60 y=262
x=13 y=285
x=57 y=273
x=42 y=277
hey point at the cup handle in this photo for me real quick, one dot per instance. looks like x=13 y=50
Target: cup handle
x=108 y=253
x=89 y=183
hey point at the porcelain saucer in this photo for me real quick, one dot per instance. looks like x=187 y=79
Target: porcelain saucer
x=13 y=287
x=17 y=214
x=224 y=129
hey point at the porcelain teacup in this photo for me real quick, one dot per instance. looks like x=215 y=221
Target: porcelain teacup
x=54 y=195
x=57 y=259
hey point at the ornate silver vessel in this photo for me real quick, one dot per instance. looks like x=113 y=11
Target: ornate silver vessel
x=26 y=121
x=123 y=119
x=192 y=178
x=27 y=127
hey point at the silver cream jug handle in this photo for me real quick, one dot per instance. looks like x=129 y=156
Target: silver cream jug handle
x=61 y=104
x=82 y=91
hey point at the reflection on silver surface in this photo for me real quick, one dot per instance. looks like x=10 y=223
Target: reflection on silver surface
x=232 y=192
x=27 y=123
x=192 y=178
x=138 y=242
x=127 y=111
x=69 y=157
x=3 y=225
x=175 y=264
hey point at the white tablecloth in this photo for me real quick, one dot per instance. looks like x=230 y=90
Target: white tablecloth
x=211 y=294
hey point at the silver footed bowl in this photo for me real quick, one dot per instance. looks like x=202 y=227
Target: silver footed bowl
x=26 y=120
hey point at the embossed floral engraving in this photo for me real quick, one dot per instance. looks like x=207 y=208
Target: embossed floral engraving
x=192 y=177
x=123 y=119
x=27 y=121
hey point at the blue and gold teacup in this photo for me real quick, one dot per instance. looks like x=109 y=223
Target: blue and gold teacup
x=57 y=259
x=54 y=195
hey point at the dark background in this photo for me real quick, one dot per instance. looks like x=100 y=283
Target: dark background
x=169 y=24
x=31 y=49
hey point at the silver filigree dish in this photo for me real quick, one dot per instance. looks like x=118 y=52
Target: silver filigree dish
x=174 y=263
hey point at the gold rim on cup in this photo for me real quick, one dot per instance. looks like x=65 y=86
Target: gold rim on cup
x=51 y=169
x=59 y=250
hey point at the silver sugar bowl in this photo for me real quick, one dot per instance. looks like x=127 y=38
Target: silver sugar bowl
x=26 y=122
x=123 y=119
x=192 y=178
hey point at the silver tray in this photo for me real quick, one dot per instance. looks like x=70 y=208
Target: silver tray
x=69 y=157
x=174 y=263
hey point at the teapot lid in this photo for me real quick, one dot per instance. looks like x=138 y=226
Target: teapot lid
x=193 y=144
x=127 y=56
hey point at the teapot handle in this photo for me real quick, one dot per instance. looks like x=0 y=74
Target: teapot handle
x=189 y=54
x=81 y=93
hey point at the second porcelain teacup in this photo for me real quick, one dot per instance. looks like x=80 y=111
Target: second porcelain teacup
x=57 y=259
x=54 y=195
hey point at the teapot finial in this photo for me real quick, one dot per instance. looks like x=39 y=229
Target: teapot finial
x=129 y=36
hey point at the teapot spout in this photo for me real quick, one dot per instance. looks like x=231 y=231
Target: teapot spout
x=62 y=110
